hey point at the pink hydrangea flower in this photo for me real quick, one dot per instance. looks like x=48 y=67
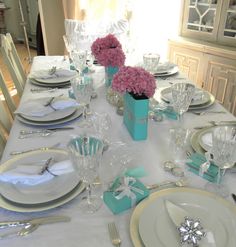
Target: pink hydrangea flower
x=135 y=80
x=108 y=51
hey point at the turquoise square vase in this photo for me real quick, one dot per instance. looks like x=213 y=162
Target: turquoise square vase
x=136 y=116
x=109 y=73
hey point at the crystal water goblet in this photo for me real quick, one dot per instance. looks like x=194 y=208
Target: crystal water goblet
x=223 y=156
x=182 y=95
x=79 y=58
x=82 y=88
x=85 y=154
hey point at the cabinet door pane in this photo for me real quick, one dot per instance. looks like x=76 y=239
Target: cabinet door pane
x=201 y=18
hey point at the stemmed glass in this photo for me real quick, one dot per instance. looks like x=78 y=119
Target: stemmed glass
x=223 y=155
x=82 y=88
x=79 y=58
x=182 y=95
x=85 y=154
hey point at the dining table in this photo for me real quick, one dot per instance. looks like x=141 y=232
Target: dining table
x=91 y=229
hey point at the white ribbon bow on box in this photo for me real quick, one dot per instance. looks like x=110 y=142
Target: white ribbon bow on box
x=127 y=189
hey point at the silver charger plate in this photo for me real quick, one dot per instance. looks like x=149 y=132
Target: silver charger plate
x=73 y=116
x=41 y=193
x=53 y=116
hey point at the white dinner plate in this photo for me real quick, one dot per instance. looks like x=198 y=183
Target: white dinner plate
x=151 y=225
x=205 y=96
x=53 y=116
x=71 y=117
x=43 y=192
x=205 y=138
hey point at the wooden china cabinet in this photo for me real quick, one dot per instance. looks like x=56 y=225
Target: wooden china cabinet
x=206 y=48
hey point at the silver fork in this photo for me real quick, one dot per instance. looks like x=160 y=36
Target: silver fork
x=114 y=234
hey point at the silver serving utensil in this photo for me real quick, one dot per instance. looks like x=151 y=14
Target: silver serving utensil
x=179 y=183
x=207 y=112
x=34 y=149
x=30 y=225
x=36 y=221
x=26 y=132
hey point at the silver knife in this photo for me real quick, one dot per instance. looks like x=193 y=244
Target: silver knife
x=36 y=221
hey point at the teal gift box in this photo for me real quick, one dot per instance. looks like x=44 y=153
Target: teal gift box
x=118 y=205
x=136 y=116
x=194 y=165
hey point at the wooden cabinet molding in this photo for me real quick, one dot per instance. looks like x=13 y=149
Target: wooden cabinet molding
x=211 y=67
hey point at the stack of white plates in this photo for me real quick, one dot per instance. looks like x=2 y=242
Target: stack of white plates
x=201 y=100
x=166 y=69
x=32 y=198
x=151 y=224
x=52 y=82
x=54 y=118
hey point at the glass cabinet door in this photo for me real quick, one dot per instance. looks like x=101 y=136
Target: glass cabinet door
x=201 y=19
x=227 y=29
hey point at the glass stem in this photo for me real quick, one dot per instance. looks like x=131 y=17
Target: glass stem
x=85 y=111
x=180 y=119
x=218 y=176
x=89 y=193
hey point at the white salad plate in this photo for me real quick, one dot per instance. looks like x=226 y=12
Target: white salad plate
x=151 y=224
x=50 y=190
x=53 y=116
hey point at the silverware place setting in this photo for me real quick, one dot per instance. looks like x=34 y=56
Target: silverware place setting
x=114 y=234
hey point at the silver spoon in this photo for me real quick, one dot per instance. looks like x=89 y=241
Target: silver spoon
x=27 y=229
x=179 y=183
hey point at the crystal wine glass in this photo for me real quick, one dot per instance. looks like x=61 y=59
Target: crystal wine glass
x=182 y=95
x=85 y=154
x=223 y=155
x=79 y=58
x=82 y=88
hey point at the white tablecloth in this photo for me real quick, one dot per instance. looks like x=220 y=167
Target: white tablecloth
x=91 y=230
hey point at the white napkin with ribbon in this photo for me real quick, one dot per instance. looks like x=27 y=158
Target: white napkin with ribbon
x=30 y=174
x=59 y=73
x=37 y=108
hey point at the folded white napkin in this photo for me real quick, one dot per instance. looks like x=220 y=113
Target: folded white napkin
x=45 y=74
x=37 y=108
x=29 y=174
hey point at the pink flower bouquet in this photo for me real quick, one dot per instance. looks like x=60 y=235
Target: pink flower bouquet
x=135 y=80
x=108 y=51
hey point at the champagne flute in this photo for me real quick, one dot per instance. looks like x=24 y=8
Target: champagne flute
x=82 y=88
x=223 y=156
x=85 y=154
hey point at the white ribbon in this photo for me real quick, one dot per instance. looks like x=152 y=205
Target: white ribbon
x=126 y=189
x=205 y=166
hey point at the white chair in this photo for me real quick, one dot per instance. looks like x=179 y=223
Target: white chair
x=16 y=57
x=5 y=126
x=8 y=98
x=9 y=59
